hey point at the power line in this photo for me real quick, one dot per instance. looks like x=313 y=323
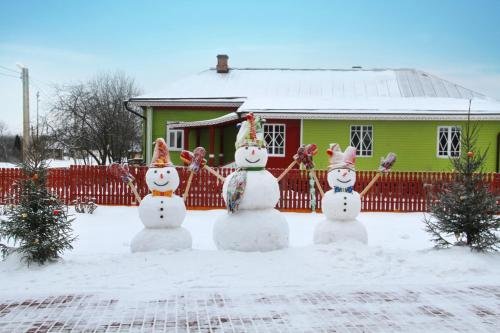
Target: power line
x=9 y=69
x=17 y=77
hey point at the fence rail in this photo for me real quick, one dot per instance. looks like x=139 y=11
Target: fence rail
x=397 y=191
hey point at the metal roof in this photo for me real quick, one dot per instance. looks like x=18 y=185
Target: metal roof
x=318 y=83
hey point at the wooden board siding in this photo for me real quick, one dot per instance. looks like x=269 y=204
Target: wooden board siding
x=292 y=137
x=162 y=116
x=415 y=142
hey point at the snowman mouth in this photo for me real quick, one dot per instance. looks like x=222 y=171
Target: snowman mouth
x=344 y=182
x=161 y=184
x=257 y=160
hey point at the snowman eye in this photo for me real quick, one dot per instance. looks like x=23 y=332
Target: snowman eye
x=156 y=171
x=246 y=148
x=168 y=171
x=338 y=170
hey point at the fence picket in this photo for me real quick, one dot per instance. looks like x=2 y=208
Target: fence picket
x=397 y=191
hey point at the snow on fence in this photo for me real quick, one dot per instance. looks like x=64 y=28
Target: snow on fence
x=397 y=191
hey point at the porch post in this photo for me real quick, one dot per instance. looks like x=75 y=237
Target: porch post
x=149 y=133
x=198 y=137
x=211 y=146
x=186 y=138
x=221 y=146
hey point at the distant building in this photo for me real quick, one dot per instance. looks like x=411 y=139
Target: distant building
x=412 y=113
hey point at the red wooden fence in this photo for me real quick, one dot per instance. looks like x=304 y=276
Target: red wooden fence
x=397 y=191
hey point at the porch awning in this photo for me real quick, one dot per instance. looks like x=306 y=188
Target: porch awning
x=204 y=123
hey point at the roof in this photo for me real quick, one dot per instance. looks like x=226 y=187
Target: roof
x=323 y=83
x=322 y=92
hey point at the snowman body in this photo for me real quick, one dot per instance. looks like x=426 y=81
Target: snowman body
x=256 y=225
x=340 y=205
x=162 y=211
x=261 y=191
x=162 y=214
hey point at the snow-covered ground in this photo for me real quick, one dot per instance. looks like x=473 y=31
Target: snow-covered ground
x=398 y=254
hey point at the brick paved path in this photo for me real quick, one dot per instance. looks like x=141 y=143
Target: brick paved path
x=437 y=309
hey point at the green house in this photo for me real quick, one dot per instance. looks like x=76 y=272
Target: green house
x=412 y=113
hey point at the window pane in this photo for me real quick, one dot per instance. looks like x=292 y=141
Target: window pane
x=443 y=141
x=171 y=139
x=274 y=136
x=179 y=140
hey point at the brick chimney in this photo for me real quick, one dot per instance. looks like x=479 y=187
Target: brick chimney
x=222 y=66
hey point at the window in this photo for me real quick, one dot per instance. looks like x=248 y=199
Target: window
x=175 y=139
x=274 y=135
x=448 y=141
x=362 y=139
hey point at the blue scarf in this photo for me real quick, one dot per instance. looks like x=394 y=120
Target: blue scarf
x=342 y=189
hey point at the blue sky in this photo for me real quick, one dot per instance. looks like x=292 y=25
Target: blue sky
x=157 y=42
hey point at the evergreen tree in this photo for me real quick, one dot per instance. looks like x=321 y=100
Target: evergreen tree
x=38 y=225
x=465 y=208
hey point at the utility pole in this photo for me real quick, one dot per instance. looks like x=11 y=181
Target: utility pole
x=26 y=109
x=37 y=101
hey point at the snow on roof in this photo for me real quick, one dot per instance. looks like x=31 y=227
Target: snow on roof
x=380 y=104
x=311 y=83
x=209 y=122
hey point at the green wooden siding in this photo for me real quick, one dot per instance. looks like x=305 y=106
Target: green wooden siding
x=161 y=117
x=415 y=142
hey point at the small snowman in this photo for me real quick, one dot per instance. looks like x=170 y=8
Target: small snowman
x=341 y=205
x=161 y=212
x=250 y=194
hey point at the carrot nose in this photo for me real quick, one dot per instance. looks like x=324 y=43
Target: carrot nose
x=253 y=151
x=161 y=176
x=344 y=173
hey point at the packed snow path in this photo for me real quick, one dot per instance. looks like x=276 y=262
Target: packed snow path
x=437 y=309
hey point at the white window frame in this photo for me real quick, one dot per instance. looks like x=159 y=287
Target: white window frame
x=360 y=150
x=169 y=144
x=273 y=148
x=448 y=144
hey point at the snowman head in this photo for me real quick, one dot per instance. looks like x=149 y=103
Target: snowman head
x=162 y=179
x=251 y=156
x=341 y=171
x=162 y=175
x=250 y=145
x=341 y=177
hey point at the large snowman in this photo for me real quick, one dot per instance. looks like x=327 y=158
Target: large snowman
x=251 y=193
x=161 y=212
x=341 y=205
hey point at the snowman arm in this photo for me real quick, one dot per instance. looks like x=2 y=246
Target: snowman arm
x=370 y=184
x=215 y=173
x=385 y=167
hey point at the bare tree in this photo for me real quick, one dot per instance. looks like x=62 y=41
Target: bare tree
x=90 y=118
x=10 y=150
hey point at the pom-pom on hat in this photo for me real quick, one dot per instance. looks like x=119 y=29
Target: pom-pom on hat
x=251 y=132
x=341 y=160
x=161 y=156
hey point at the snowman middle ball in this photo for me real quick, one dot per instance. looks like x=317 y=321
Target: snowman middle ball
x=162 y=208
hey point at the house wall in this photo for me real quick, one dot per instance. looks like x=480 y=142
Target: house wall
x=415 y=142
x=162 y=116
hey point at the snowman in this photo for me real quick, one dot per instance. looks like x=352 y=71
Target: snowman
x=250 y=194
x=341 y=205
x=161 y=212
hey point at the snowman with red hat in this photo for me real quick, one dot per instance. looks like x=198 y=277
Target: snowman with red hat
x=251 y=193
x=341 y=205
x=161 y=211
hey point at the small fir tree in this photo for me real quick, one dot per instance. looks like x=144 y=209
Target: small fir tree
x=38 y=225
x=465 y=208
